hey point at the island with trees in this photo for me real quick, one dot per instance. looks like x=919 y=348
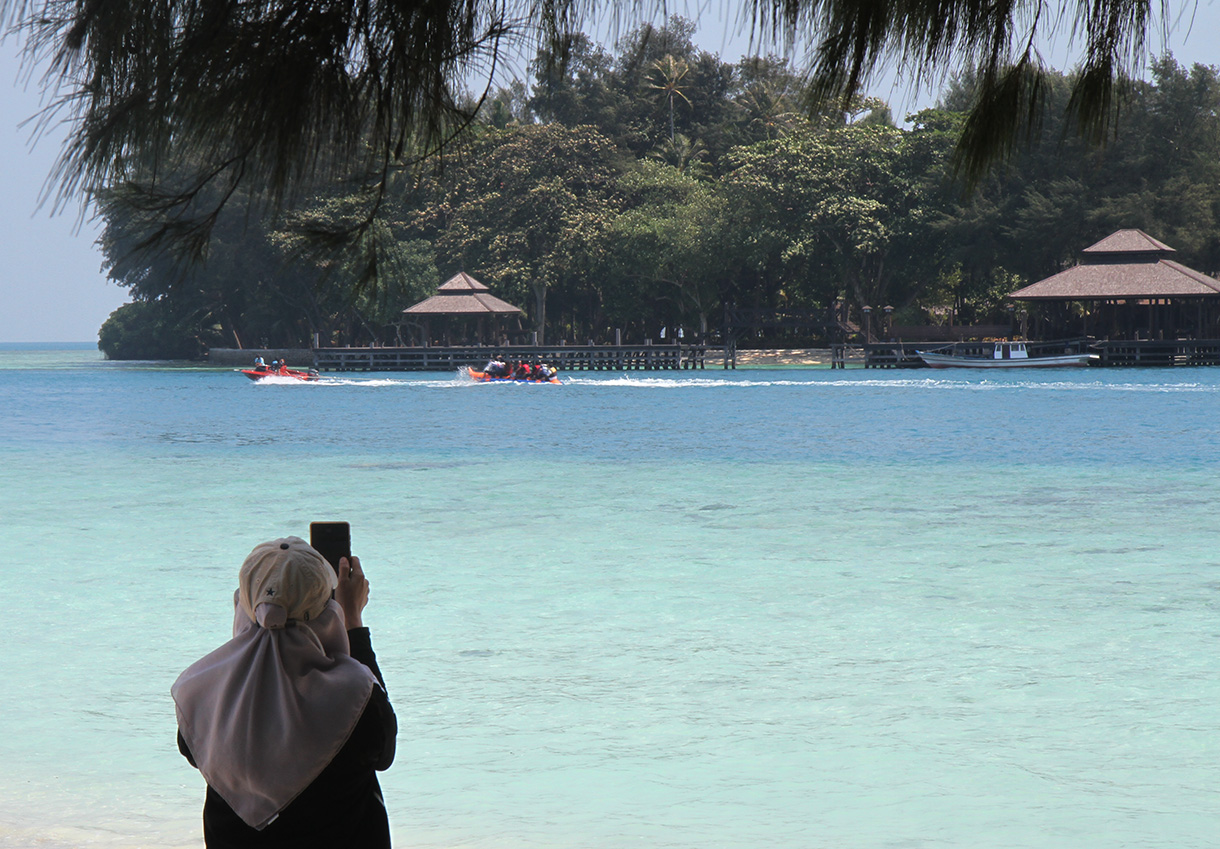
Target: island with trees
x=654 y=186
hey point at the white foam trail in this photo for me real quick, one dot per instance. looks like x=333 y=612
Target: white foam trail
x=277 y=380
x=461 y=379
x=938 y=384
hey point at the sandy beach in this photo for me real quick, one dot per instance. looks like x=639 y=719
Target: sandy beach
x=791 y=357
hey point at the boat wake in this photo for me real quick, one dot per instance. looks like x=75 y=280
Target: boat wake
x=278 y=380
x=929 y=384
x=583 y=380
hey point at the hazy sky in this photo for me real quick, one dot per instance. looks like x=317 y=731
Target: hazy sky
x=52 y=288
x=51 y=285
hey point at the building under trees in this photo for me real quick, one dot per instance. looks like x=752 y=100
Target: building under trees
x=1127 y=286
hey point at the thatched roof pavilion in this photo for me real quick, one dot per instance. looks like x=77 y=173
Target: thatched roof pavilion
x=1128 y=264
x=461 y=297
x=1128 y=286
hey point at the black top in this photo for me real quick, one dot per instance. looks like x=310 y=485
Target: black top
x=343 y=806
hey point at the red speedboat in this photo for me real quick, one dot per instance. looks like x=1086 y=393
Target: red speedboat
x=295 y=374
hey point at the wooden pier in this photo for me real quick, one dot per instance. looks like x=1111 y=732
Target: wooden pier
x=1111 y=353
x=566 y=358
x=898 y=354
x=1153 y=352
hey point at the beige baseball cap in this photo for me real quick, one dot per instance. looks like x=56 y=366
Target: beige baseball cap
x=288 y=574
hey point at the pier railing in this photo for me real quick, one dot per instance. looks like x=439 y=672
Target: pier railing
x=1111 y=352
x=563 y=357
x=1168 y=352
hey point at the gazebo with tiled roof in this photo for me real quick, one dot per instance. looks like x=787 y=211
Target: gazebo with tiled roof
x=1128 y=285
x=461 y=297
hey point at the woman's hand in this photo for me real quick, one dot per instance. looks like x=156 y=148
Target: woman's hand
x=352 y=592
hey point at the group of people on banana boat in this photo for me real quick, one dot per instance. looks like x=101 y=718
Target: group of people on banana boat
x=497 y=367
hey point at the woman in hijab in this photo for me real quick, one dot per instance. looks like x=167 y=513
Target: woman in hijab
x=289 y=720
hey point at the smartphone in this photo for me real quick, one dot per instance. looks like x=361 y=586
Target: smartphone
x=332 y=540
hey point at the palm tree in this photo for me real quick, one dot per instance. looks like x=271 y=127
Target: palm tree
x=769 y=109
x=666 y=79
x=683 y=153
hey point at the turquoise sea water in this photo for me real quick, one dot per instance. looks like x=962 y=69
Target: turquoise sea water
x=714 y=610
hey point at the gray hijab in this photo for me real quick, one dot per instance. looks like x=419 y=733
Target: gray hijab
x=266 y=712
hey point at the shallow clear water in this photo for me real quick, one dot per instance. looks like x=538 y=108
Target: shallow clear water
x=804 y=608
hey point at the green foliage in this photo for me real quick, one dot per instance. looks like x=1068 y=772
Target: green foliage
x=836 y=213
x=255 y=102
x=216 y=103
x=527 y=210
x=667 y=78
x=995 y=44
x=150 y=330
x=1056 y=196
x=229 y=288
x=352 y=289
x=664 y=257
x=656 y=185
x=687 y=155
x=276 y=281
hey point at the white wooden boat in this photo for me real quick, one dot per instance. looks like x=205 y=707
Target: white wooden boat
x=1006 y=355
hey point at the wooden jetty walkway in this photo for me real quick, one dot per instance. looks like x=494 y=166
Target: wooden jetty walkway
x=1112 y=353
x=566 y=358
x=1152 y=352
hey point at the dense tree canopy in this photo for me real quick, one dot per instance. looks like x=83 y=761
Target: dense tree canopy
x=854 y=206
x=530 y=206
x=573 y=200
